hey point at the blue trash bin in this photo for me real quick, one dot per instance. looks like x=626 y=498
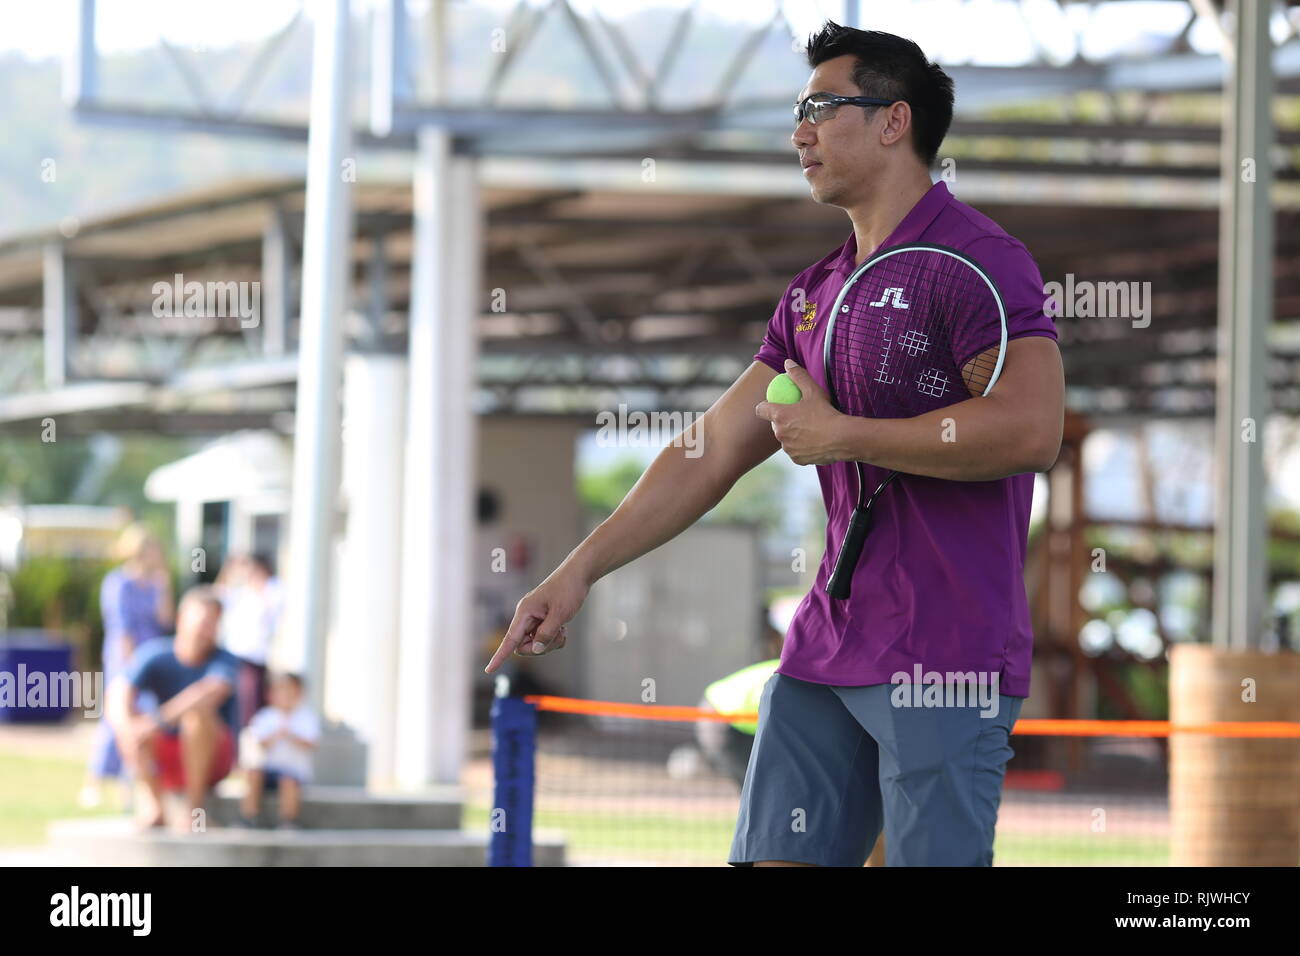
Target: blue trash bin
x=28 y=652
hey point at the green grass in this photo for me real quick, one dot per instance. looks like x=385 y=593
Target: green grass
x=36 y=790
x=656 y=838
x=1041 y=849
x=649 y=837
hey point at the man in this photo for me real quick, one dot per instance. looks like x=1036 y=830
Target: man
x=837 y=757
x=188 y=745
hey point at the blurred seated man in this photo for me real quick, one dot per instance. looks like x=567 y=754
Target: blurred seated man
x=188 y=744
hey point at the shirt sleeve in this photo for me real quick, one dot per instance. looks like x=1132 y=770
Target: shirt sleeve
x=776 y=341
x=222 y=666
x=1020 y=283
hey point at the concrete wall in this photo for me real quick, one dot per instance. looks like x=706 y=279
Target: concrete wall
x=529 y=463
x=677 y=619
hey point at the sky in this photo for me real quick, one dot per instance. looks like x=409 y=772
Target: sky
x=991 y=32
x=986 y=32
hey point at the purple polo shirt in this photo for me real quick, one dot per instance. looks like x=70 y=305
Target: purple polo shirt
x=941 y=581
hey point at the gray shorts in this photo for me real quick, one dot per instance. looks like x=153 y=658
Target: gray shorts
x=832 y=766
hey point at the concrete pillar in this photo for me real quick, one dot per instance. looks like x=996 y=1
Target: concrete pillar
x=362 y=666
x=81 y=66
x=277 y=257
x=434 y=665
x=326 y=271
x=60 y=308
x=1245 y=314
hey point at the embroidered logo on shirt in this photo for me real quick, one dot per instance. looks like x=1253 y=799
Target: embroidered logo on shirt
x=808 y=319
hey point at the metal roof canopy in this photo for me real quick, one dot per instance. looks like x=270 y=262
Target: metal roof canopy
x=601 y=291
x=648 y=294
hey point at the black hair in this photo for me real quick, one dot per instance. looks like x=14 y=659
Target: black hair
x=263 y=561
x=893 y=68
x=202 y=594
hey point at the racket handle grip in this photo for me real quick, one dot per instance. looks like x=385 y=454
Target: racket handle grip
x=841 y=579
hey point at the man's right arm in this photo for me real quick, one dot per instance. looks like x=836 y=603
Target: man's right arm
x=675 y=492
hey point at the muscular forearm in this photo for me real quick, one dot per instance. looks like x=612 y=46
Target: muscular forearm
x=981 y=439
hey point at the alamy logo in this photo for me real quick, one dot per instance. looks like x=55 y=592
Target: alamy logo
x=1084 y=299
x=67 y=690
x=892 y=297
x=134 y=910
x=946 y=689
x=211 y=300
x=651 y=430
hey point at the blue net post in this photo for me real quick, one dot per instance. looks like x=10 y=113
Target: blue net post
x=514 y=746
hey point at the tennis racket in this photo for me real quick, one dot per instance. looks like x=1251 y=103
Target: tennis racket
x=914 y=328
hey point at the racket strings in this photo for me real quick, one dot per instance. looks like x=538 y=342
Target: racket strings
x=893 y=338
x=898 y=332
x=978 y=372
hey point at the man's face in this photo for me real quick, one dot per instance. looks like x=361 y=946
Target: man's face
x=841 y=153
x=196 y=632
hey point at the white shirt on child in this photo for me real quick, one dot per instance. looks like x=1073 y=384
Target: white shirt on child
x=282 y=755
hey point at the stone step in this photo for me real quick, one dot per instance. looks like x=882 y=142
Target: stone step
x=350 y=808
x=29 y=856
x=115 y=842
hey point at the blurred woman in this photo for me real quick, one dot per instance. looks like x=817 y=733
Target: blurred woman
x=136 y=604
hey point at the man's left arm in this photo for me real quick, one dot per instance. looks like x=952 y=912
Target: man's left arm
x=1016 y=428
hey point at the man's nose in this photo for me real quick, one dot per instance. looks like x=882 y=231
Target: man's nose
x=805 y=134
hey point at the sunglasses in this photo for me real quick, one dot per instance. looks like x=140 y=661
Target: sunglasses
x=822 y=106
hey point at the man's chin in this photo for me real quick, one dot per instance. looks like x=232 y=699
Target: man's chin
x=824 y=196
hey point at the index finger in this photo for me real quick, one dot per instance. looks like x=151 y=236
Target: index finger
x=524 y=622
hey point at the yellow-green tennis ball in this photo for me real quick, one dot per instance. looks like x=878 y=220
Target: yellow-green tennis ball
x=783 y=391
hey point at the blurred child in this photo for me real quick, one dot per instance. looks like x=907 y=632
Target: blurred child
x=276 y=751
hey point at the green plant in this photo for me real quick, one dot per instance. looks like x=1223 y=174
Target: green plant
x=61 y=594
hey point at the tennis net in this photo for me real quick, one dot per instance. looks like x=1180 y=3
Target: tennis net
x=631 y=784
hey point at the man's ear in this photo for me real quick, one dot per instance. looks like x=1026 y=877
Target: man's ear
x=898 y=121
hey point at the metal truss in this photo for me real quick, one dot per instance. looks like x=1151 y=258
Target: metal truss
x=638 y=114
x=668 y=330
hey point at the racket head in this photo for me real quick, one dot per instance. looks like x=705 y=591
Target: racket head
x=914 y=328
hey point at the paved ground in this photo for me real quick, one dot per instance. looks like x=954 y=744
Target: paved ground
x=70 y=739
